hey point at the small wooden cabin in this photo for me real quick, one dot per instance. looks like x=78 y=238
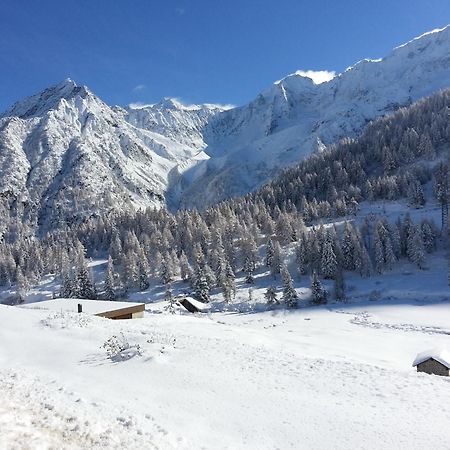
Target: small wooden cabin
x=435 y=362
x=102 y=308
x=193 y=305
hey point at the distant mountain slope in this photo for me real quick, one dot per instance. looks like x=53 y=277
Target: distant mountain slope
x=65 y=154
x=249 y=144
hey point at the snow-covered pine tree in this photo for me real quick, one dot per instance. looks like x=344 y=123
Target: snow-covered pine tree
x=110 y=291
x=284 y=228
x=227 y=282
x=143 y=275
x=67 y=289
x=275 y=267
x=416 y=248
x=250 y=256
x=130 y=273
x=339 y=285
x=290 y=296
x=442 y=188
x=249 y=269
x=363 y=264
x=318 y=293
x=84 y=286
x=115 y=249
x=22 y=285
x=168 y=297
x=416 y=195
x=301 y=254
x=384 y=253
x=348 y=247
x=270 y=250
x=185 y=267
x=328 y=260
x=166 y=271
x=271 y=296
x=429 y=234
x=201 y=287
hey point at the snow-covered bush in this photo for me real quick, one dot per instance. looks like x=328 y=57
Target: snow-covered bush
x=118 y=348
x=66 y=319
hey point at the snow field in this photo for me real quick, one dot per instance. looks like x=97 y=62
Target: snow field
x=312 y=378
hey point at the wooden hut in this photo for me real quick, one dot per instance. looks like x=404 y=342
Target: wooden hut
x=102 y=308
x=193 y=305
x=436 y=362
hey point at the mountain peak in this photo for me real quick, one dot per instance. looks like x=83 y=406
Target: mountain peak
x=46 y=100
x=67 y=83
x=170 y=103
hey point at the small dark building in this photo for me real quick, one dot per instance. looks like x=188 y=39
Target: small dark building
x=193 y=305
x=436 y=362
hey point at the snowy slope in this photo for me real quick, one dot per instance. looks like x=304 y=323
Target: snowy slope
x=66 y=154
x=312 y=379
x=295 y=116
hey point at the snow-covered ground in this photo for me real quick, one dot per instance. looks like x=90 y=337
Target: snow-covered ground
x=240 y=376
x=324 y=377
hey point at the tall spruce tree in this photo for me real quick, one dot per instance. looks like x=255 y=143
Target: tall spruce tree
x=318 y=293
x=290 y=296
x=110 y=290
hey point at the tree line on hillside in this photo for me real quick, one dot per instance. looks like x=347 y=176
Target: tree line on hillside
x=392 y=159
x=400 y=156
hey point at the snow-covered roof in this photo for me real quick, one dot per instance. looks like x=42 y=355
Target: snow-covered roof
x=89 y=306
x=438 y=354
x=199 y=305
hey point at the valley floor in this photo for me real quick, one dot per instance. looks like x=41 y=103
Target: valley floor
x=314 y=378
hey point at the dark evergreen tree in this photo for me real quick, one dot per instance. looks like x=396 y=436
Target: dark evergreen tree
x=110 y=290
x=290 y=296
x=271 y=296
x=318 y=293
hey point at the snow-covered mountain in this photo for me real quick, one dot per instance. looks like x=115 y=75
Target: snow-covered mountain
x=64 y=153
x=249 y=144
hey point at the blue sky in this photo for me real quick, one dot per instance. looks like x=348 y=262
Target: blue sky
x=196 y=50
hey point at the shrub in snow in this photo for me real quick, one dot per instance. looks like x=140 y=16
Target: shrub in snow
x=118 y=348
x=66 y=319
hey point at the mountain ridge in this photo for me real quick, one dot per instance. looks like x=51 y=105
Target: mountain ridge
x=65 y=154
x=316 y=114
